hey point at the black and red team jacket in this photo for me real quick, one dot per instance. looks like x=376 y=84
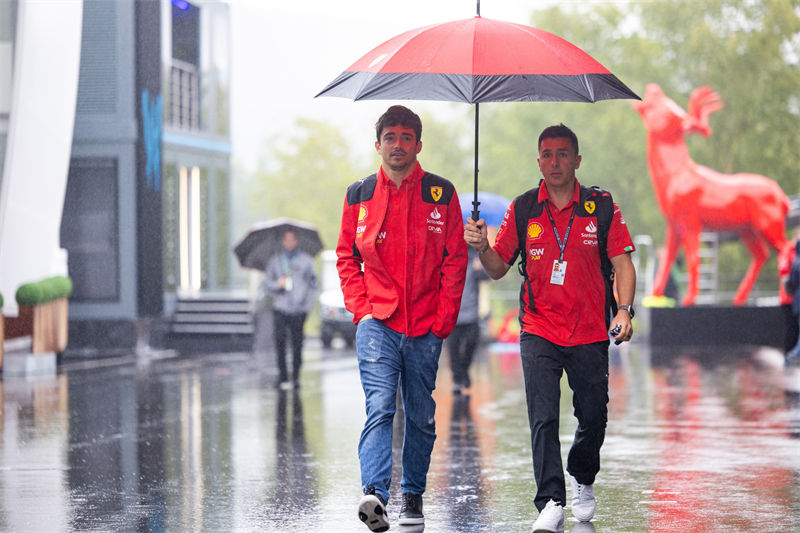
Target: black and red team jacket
x=406 y=269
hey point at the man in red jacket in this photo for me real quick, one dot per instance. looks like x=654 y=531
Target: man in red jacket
x=566 y=234
x=402 y=261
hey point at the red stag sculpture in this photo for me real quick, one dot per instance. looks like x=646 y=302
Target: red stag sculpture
x=693 y=197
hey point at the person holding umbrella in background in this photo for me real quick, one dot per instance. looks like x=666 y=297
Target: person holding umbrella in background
x=291 y=279
x=401 y=258
x=569 y=237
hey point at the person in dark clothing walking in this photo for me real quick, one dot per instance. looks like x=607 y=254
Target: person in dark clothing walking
x=791 y=319
x=464 y=339
x=793 y=286
x=292 y=281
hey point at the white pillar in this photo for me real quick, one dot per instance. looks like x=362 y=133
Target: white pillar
x=44 y=90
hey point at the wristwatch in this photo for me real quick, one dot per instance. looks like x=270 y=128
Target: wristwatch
x=628 y=308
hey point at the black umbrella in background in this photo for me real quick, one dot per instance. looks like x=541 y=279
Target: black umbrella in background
x=478 y=60
x=264 y=239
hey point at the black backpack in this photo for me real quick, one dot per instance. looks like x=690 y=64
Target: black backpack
x=527 y=206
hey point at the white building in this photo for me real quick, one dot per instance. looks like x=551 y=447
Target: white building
x=115 y=152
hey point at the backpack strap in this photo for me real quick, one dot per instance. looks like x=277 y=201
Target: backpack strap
x=595 y=200
x=526 y=207
x=361 y=191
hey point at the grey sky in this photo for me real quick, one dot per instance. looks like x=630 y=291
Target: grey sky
x=286 y=52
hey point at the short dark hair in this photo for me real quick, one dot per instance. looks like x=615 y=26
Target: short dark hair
x=559 y=131
x=399 y=115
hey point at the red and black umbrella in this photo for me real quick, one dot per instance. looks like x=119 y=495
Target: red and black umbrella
x=478 y=60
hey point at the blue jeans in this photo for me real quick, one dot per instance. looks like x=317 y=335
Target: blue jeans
x=387 y=359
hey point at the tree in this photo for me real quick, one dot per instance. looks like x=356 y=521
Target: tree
x=747 y=51
x=308 y=175
x=446 y=149
x=306 y=178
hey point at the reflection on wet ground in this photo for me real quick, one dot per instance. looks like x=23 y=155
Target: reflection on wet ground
x=697 y=441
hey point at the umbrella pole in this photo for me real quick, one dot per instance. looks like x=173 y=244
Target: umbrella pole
x=475 y=203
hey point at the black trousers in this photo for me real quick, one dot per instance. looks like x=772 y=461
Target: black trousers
x=587 y=373
x=289 y=327
x=461 y=344
x=791 y=327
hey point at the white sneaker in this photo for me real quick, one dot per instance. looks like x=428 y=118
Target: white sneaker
x=372 y=511
x=583 y=500
x=583 y=527
x=551 y=519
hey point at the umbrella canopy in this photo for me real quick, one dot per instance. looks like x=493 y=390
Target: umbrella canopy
x=478 y=60
x=493 y=206
x=264 y=239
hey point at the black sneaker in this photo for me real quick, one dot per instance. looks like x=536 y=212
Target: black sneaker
x=372 y=511
x=411 y=510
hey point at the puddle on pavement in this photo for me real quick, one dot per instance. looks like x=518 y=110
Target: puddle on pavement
x=696 y=441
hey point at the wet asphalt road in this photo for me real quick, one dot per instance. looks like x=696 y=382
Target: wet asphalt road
x=697 y=441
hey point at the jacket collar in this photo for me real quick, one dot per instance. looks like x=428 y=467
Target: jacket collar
x=576 y=194
x=415 y=176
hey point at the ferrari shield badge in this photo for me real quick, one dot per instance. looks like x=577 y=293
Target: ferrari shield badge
x=436 y=193
x=589 y=206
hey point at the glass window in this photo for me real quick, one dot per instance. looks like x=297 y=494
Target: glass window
x=89 y=229
x=186 y=33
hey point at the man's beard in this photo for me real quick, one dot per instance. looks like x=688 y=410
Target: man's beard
x=400 y=166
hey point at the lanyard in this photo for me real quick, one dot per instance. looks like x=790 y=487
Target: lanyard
x=286 y=261
x=561 y=245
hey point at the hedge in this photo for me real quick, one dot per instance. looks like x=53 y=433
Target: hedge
x=43 y=291
x=1 y=300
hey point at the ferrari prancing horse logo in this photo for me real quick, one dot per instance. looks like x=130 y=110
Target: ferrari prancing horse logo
x=589 y=206
x=436 y=193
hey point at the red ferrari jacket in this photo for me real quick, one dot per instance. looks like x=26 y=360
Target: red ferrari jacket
x=401 y=254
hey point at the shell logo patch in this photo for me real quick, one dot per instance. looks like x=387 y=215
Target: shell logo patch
x=436 y=193
x=362 y=213
x=535 y=230
x=589 y=206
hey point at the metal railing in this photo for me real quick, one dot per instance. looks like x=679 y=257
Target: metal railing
x=184 y=96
